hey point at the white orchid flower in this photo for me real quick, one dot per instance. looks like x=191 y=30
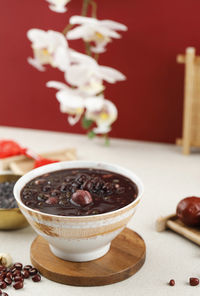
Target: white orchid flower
x=91 y=29
x=86 y=74
x=49 y=47
x=58 y=5
x=103 y=112
x=70 y=100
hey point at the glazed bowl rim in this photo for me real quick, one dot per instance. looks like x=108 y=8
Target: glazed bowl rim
x=75 y=164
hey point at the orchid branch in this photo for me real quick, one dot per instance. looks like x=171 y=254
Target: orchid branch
x=87 y=48
x=85 y=7
x=94 y=8
x=67 y=28
x=96 y=56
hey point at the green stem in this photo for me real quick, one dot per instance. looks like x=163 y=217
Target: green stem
x=107 y=140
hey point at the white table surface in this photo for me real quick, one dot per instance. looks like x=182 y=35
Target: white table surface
x=168 y=176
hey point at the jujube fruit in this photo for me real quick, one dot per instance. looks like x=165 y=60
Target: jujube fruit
x=188 y=211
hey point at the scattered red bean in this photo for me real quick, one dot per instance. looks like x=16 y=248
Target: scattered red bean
x=33 y=271
x=18 y=285
x=3 y=275
x=194 y=281
x=18 y=266
x=18 y=279
x=27 y=267
x=172 y=282
x=36 y=278
x=3 y=285
x=8 y=281
x=17 y=272
x=25 y=274
x=9 y=274
x=12 y=269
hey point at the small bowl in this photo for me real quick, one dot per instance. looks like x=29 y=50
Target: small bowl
x=81 y=238
x=11 y=218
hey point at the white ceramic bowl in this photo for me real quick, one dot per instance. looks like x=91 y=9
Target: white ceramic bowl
x=81 y=238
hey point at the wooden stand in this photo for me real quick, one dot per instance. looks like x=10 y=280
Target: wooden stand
x=125 y=258
x=172 y=222
x=191 y=112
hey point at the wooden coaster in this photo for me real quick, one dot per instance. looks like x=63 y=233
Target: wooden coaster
x=125 y=258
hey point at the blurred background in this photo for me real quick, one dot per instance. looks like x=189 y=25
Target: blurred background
x=150 y=102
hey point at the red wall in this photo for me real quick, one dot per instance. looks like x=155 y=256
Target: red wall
x=149 y=102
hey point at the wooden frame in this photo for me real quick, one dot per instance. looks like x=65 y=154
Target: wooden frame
x=191 y=113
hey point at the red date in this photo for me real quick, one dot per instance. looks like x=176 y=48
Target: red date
x=81 y=198
x=188 y=211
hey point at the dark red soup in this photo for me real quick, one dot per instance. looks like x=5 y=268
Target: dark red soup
x=79 y=192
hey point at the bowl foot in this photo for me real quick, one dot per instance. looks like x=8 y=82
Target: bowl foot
x=125 y=258
x=80 y=257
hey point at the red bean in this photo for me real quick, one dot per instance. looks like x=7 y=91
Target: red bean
x=18 y=266
x=194 y=281
x=18 y=279
x=27 y=267
x=8 y=281
x=4 y=294
x=3 y=285
x=25 y=274
x=18 y=285
x=17 y=272
x=3 y=275
x=52 y=201
x=9 y=274
x=33 y=271
x=40 y=181
x=36 y=278
x=0 y=292
x=172 y=282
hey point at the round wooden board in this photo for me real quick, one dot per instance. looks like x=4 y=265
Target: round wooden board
x=125 y=258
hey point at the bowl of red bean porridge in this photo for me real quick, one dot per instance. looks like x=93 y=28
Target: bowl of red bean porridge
x=79 y=207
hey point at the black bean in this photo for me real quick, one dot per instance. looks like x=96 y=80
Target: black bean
x=7 y=199
x=55 y=193
x=46 y=188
